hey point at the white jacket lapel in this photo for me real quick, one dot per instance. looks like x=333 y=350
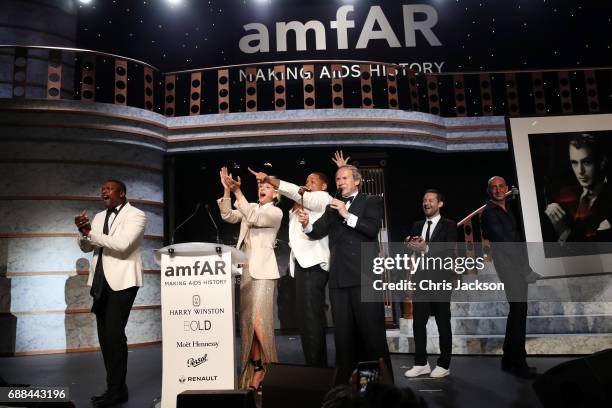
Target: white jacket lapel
x=119 y=218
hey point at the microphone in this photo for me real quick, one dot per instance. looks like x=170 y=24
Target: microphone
x=197 y=208
x=213 y=223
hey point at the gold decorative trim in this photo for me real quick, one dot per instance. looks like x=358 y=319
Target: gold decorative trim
x=80 y=272
x=166 y=135
x=58 y=235
x=251 y=123
x=75 y=350
x=324 y=132
x=109 y=128
x=74 y=198
x=86 y=111
x=83 y=163
x=73 y=310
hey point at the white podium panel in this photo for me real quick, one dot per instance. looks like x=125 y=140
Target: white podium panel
x=197 y=296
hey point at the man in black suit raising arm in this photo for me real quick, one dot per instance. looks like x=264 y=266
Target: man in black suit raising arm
x=422 y=239
x=350 y=221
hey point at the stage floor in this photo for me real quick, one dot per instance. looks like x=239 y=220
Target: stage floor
x=475 y=381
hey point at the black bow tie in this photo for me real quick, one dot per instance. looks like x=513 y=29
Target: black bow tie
x=347 y=200
x=112 y=211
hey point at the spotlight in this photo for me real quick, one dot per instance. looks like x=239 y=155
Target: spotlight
x=84 y=1
x=174 y=2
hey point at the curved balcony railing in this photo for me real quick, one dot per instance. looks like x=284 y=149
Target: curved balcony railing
x=37 y=72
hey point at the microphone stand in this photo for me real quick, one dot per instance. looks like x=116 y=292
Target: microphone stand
x=197 y=208
x=218 y=248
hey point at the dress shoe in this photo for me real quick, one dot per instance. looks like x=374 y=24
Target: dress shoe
x=111 y=400
x=525 y=372
x=95 y=398
x=439 y=372
x=416 y=370
x=506 y=365
x=520 y=369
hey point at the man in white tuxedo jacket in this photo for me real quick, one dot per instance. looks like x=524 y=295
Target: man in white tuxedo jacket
x=308 y=264
x=115 y=235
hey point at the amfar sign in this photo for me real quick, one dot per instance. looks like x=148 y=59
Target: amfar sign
x=416 y=18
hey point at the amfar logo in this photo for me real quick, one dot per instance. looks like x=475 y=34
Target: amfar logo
x=259 y=41
x=182 y=379
x=197 y=269
x=194 y=362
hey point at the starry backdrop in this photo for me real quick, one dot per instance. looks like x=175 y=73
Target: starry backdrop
x=475 y=35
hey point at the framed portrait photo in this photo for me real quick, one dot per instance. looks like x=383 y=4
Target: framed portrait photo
x=564 y=172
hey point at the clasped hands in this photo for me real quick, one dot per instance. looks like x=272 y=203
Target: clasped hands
x=416 y=243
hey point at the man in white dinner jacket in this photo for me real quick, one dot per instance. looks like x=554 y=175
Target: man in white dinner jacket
x=115 y=235
x=308 y=263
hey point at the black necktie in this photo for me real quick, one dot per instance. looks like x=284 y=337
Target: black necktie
x=584 y=207
x=428 y=230
x=108 y=214
x=97 y=285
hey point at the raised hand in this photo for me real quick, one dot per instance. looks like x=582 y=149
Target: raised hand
x=233 y=185
x=260 y=176
x=222 y=175
x=339 y=158
x=82 y=222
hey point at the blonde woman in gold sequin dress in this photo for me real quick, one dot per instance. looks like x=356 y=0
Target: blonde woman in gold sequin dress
x=259 y=224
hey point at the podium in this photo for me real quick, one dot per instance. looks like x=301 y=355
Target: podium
x=197 y=308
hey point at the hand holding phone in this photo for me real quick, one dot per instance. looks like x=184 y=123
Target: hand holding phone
x=367 y=372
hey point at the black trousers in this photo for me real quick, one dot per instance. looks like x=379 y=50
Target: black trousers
x=359 y=331
x=420 y=315
x=516 y=325
x=516 y=332
x=111 y=322
x=310 y=311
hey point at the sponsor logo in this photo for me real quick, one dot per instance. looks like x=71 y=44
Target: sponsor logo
x=204 y=378
x=197 y=325
x=194 y=362
x=182 y=379
x=196 y=300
